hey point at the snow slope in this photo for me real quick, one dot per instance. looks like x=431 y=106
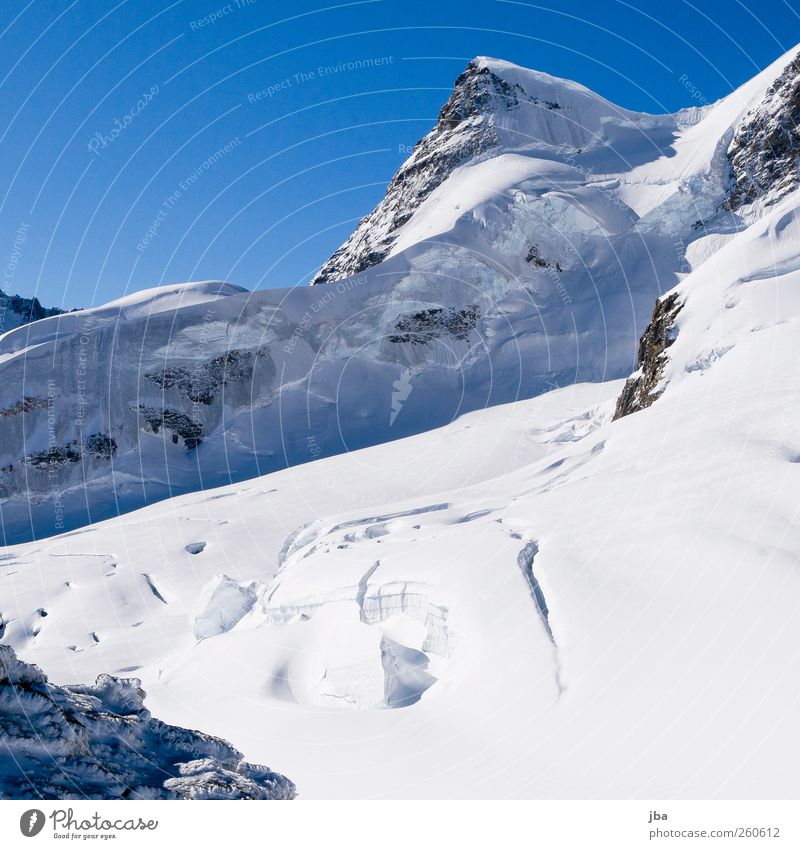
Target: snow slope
x=520 y=248
x=603 y=609
x=535 y=600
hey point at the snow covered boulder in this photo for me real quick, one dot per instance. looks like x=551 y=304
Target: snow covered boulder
x=100 y=742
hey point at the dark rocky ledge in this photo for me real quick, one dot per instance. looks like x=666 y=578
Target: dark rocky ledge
x=202 y=382
x=641 y=389
x=765 y=151
x=98 y=445
x=181 y=426
x=421 y=327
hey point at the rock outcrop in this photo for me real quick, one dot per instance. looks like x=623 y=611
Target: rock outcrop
x=643 y=387
x=765 y=151
x=100 y=742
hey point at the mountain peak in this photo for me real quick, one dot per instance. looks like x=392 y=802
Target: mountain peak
x=478 y=90
x=495 y=107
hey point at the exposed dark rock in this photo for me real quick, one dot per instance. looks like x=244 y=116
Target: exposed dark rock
x=474 y=92
x=641 y=389
x=535 y=258
x=100 y=742
x=100 y=445
x=182 y=426
x=201 y=383
x=25 y=405
x=765 y=151
x=95 y=445
x=58 y=455
x=26 y=309
x=420 y=327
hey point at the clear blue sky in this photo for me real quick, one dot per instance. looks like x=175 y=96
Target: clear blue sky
x=309 y=152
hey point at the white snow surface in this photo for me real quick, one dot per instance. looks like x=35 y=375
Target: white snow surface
x=531 y=601
x=534 y=601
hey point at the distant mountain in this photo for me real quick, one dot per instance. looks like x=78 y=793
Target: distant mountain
x=16 y=311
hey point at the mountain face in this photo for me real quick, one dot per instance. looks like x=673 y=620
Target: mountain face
x=520 y=248
x=765 y=151
x=496 y=108
x=511 y=604
x=100 y=742
x=465 y=132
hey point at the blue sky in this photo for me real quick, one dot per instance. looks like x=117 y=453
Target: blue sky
x=146 y=142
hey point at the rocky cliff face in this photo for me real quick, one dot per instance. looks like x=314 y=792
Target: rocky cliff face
x=764 y=157
x=643 y=387
x=100 y=742
x=765 y=151
x=463 y=132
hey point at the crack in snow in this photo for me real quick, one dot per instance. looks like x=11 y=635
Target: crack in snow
x=525 y=560
x=362 y=589
x=153 y=587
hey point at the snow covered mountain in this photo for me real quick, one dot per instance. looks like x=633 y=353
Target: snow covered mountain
x=16 y=310
x=548 y=136
x=588 y=593
x=521 y=247
x=99 y=742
